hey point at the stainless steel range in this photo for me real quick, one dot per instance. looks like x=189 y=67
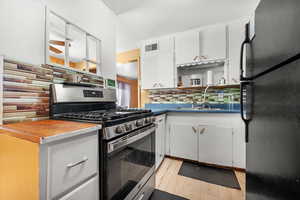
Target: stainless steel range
x=127 y=140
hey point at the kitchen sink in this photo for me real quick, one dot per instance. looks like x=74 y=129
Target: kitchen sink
x=201 y=109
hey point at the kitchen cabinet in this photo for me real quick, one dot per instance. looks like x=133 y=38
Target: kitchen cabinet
x=160 y=139
x=207 y=137
x=213 y=42
x=71 y=162
x=236 y=37
x=149 y=65
x=215 y=145
x=186 y=46
x=60 y=163
x=184 y=140
x=157 y=65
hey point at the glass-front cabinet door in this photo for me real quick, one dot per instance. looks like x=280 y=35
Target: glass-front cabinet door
x=67 y=45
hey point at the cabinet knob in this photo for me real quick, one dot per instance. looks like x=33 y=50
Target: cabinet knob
x=202 y=130
x=194 y=129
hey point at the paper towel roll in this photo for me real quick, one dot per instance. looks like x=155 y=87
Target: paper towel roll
x=209 y=78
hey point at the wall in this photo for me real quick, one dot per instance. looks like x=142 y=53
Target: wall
x=128 y=70
x=126 y=39
x=23 y=28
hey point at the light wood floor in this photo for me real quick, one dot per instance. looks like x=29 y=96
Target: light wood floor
x=167 y=179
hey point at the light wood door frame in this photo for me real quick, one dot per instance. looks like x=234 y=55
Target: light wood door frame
x=132 y=56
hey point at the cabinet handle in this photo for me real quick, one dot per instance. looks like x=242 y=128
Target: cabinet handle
x=71 y=165
x=194 y=129
x=141 y=197
x=195 y=58
x=202 y=130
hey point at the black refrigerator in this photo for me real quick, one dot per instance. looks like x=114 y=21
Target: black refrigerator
x=270 y=101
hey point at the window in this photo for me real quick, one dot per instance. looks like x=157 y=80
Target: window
x=70 y=46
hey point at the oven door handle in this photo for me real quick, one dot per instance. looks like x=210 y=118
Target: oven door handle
x=124 y=141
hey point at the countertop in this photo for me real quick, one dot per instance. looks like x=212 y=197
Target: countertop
x=163 y=111
x=159 y=109
x=37 y=131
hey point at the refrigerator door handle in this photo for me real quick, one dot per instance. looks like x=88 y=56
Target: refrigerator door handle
x=243 y=90
x=245 y=42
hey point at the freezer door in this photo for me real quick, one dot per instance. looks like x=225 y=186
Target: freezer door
x=277 y=29
x=273 y=149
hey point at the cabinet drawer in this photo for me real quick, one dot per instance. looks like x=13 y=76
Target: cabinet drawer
x=87 y=191
x=72 y=162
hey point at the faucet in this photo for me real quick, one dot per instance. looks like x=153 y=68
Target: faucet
x=194 y=103
x=204 y=103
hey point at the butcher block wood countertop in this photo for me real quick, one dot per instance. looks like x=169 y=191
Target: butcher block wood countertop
x=46 y=130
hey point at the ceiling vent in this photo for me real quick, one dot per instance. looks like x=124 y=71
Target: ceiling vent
x=151 y=47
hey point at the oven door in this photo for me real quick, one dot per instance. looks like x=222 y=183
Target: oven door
x=130 y=162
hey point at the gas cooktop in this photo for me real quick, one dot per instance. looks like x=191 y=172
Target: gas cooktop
x=105 y=116
x=96 y=105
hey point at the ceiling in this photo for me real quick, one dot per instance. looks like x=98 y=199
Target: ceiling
x=152 y=18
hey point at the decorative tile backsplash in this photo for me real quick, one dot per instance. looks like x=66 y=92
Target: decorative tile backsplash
x=213 y=96
x=26 y=89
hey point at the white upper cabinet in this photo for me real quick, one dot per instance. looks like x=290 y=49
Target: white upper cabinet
x=149 y=65
x=157 y=63
x=213 y=42
x=236 y=37
x=186 y=47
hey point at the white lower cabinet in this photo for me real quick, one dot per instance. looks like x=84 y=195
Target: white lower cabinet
x=71 y=162
x=207 y=137
x=87 y=191
x=160 y=140
x=184 y=141
x=215 y=145
x=69 y=168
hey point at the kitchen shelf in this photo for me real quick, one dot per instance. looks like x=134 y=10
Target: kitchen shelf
x=203 y=64
x=210 y=87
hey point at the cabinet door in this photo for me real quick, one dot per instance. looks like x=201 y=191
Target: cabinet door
x=184 y=141
x=160 y=140
x=186 y=46
x=236 y=37
x=215 y=145
x=149 y=65
x=157 y=146
x=239 y=145
x=157 y=67
x=213 y=42
x=163 y=136
x=166 y=68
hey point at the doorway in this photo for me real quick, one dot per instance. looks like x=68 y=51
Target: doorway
x=128 y=90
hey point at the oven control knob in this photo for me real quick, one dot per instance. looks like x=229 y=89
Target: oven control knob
x=119 y=130
x=139 y=123
x=153 y=119
x=128 y=127
x=148 y=120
